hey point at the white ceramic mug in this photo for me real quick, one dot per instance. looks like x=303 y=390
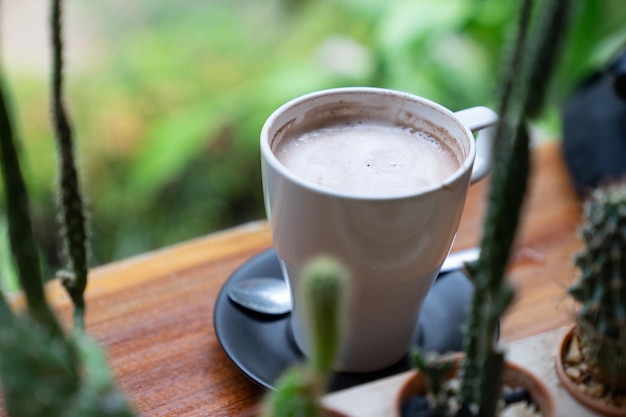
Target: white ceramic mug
x=393 y=246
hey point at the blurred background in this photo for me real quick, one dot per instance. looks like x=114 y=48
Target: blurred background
x=168 y=97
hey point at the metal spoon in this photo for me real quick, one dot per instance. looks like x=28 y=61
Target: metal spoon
x=271 y=296
x=262 y=294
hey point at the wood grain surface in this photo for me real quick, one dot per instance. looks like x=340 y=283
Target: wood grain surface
x=154 y=313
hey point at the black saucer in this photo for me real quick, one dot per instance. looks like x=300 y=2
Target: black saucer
x=261 y=345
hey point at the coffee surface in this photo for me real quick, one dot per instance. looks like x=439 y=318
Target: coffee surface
x=368 y=159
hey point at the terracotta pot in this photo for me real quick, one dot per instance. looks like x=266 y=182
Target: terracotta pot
x=589 y=402
x=514 y=376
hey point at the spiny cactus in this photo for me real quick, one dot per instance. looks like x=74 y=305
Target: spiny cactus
x=523 y=90
x=601 y=289
x=322 y=288
x=524 y=87
x=43 y=370
x=71 y=207
x=69 y=375
x=437 y=368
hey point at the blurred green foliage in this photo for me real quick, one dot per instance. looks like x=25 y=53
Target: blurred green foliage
x=168 y=107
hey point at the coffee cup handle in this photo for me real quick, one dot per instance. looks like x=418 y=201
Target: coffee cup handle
x=483 y=121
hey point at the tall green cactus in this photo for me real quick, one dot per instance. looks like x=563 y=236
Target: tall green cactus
x=540 y=33
x=68 y=373
x=323 y=284
x=71 y=206
x=601 y=289
x=322 y=290
x=21 y=236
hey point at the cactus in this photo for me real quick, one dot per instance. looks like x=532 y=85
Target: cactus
x=21 y=236
x=35 y=353
x=601 y=289
x=524 y=88
x=322 y=288
x=522 y=96
x=71 y=207
x=68 y=373
x=438 y=369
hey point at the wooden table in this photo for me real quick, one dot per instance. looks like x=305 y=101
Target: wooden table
x=154 y=313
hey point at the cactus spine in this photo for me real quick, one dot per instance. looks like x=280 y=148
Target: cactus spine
x=600 y=290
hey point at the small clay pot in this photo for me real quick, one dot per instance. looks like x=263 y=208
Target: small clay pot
x=592 y=403
x=514 y=376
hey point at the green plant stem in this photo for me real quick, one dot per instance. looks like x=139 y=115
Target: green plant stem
x=71 y=200
x=323 y=287
x=506 y=195
x=551 y=35
x=525 y=84
x=494 y=361
x=21 y=236
x=514 y=65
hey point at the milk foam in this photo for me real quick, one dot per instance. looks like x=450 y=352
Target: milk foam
x=368 y=159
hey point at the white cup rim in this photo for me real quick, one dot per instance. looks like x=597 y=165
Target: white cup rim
x=268 y=154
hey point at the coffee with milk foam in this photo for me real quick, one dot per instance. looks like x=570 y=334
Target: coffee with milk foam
x=368 y=159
